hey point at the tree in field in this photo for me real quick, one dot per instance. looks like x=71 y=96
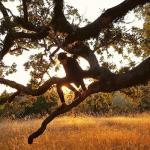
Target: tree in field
x=41 y=26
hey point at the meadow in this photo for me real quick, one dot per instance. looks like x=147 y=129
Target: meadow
x=79 y=133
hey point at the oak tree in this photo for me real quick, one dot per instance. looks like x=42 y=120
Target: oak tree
x=52 y=26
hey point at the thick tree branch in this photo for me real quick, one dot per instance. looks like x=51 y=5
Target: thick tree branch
x=59 y=22
x=3 y=10
x=107 y=81
x=28 y=25
x=80 y=49
x=34 y=36
x=12 y=36
x=34 y=92
x=56 y=113
x=5 y=15
x=136 y=76
x=93 y=29
x=8 y=43
x=25 y=10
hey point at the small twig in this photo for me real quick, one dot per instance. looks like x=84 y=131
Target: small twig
x=55 y=51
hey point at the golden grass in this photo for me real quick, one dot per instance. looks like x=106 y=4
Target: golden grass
x=79 y=133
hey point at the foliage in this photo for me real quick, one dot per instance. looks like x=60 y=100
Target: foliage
x=23 y=106
x=146 y=29
x=136 y=100
x=117 y=39
x=123 y=104
x=40 y=106
x=96 y=104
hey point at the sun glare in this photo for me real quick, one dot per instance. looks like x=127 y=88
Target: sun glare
x=65 y=89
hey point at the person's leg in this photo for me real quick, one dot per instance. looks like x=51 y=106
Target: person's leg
x=60 y=93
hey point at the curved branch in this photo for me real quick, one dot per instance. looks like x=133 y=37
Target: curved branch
x=11 y=36
x=80 y=49
x=28 y=25
x=93 y=29
x=136 y=76
x=34 y=92
x=34 y=36
x=57 y=113
x=107 y=81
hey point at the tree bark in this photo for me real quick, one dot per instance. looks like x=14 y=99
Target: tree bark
x=113 y=83
x=107 y=81
x=93 y=29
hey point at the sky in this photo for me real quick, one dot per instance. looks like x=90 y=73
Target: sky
x=90 y=9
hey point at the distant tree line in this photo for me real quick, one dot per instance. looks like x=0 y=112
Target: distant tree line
x=133 y=100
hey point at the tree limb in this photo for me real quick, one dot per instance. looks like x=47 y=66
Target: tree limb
x=5 y=15
x=93 y=29
x=113 y=83
x=12 y=36
x=8 y=43
x=34 y=92
x=59 y=21
x=107 y=81
x=25 y=10
x=56 y=113
x=34 y=36
x=136 y=76
x=28 y=25
x=3 y=10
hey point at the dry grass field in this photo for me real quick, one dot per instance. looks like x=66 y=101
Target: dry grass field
x=79 y=133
